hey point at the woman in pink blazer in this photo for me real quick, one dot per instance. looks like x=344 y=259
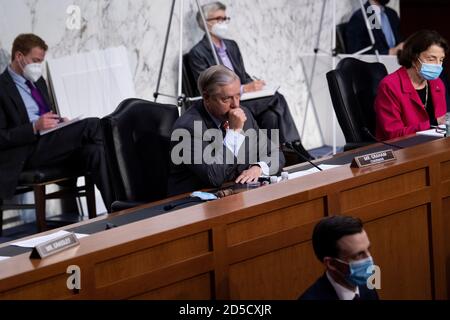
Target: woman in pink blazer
x=413 y=98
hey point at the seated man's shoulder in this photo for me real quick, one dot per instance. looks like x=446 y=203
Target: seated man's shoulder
x=320 y=290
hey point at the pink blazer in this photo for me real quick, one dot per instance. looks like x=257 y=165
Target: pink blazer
x=399 y=110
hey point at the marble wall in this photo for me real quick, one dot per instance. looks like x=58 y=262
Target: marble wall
x=272 y=34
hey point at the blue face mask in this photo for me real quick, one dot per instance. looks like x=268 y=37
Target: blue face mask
x=359 y=271
x=430 y=71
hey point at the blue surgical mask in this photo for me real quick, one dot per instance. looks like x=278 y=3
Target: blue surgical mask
x=360 y=271
x=205 y=196
x=430 y=71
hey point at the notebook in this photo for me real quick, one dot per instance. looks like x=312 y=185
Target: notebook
x=61 y=125
x=267 y=91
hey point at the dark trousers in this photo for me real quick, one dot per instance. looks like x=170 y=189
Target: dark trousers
x=273 y=113
x=78 y=145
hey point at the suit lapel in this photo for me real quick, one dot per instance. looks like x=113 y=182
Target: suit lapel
x=207 y=47
x=13 y=93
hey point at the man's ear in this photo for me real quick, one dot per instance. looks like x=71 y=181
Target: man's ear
x=329 y=263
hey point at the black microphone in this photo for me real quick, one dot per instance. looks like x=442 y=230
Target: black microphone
x=290 y=146
x=190 y=200
x=368 y=133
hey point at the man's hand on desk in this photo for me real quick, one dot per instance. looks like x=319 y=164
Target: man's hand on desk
x=250 y=175
x=255 y=85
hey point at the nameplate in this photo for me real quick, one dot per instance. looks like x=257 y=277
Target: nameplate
x=51 y=247
x=373 y=159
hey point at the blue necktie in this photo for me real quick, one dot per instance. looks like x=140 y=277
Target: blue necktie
x=387 y=30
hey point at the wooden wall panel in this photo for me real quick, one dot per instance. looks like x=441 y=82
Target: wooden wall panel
x=282 y=274
x=198 y=288
x=51 y=288
x=144 y=261
x=276 y=221
x=383 y=189
x=446 y=213
x=445 y=171
x=400 y=246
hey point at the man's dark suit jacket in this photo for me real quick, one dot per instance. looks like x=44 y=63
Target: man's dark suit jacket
x=191 y=177
x=16 y=132
x=357 y=36
x=201 y=58
x=322 y=289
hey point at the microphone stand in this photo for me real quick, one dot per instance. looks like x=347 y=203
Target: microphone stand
x=290 y=146
x=368 y=133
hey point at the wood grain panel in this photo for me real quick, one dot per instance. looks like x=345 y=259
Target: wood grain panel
x=445 y=171
x=282 y=219
x=446 y=216
x=282 y=274
x=51 y=288
x=400 y=247
x=150 y=259
x=383 y=189
x=198 y=288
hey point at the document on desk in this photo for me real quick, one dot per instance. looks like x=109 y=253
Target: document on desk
x=62 y=125
x=433 y=132
x=312 y=170
x=33 y=242
x=267 y=91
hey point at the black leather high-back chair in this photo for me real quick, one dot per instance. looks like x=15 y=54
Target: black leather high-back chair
x=189 y=85
x=353 y=87
x=341 y=46
x=137 y=143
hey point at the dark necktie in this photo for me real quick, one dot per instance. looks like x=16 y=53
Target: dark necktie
x=43 y=107
x=224 y=127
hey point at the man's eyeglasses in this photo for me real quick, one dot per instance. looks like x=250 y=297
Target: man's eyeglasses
x=228 y=99
x=220 y=19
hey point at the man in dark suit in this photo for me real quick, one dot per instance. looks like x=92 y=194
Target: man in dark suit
x=385 y=24
x=270 y=112
x=218 y=141
x=342 y=245
x=25 y=111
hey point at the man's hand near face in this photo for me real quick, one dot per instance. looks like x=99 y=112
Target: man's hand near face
x=236 y=118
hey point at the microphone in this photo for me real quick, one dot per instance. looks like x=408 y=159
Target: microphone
x=173 y=206
x=224 y=193
x=290 y=146
x=368 y=133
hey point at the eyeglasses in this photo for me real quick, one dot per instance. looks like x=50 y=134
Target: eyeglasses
x=220 y=19
x=228 y=99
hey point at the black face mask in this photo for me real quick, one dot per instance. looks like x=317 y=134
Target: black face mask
x=383 y=2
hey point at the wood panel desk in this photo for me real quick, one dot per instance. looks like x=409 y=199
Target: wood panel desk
x=257 y=244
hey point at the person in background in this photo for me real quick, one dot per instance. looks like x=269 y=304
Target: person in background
x=26 y=111
x=414 y=97
x=220 y=112
x=342 y=245
x=270 y=112
x=387 y=34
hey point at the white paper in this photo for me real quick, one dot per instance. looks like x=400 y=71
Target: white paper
x=61 y=125
x=92 y=83
x=312 y=170
x=4 y=258
x=433 y=132
x=268 y=90
x=33 y=242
